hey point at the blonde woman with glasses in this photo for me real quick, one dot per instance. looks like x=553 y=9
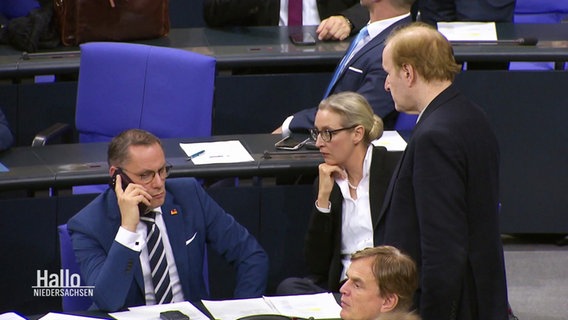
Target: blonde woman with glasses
x=349 y=191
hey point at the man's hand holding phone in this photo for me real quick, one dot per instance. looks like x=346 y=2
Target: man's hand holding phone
x=131 y=199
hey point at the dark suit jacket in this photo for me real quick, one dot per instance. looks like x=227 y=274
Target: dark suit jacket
x=365 y=75
x=115 y=270
x=442 y=209
x=432 y=11
x=323 y=241
x=220 y=13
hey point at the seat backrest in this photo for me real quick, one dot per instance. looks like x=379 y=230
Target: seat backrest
x=166 y=91
x=405 y=121
x=68 y=262
x=540 y=11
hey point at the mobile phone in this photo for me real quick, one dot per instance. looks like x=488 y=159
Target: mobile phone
x=290 y=143
x=125 y=182
x=302 y=39
x=173 y=315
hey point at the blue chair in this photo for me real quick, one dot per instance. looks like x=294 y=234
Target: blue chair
x=539 y=11
x=68 y=262
x=405 y=122
x=166 y=91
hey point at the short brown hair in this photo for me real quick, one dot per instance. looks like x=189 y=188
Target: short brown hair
x=394 y=272
x=118 y=154
x=427 y=50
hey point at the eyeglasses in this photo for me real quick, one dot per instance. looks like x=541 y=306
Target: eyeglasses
x=327 y=134
x=148 y=176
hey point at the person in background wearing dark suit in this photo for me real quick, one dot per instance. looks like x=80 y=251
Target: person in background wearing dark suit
x=110 y=234
x=380 y=285
x=348 y=192
x=441 y=207
x=433 y=11
x=363 y=71
x=336 y=19
x=6 y=137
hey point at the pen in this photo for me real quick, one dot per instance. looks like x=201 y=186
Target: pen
x=195 y=155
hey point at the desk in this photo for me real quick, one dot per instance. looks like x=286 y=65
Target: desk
x=261 y=47
x=66 y=165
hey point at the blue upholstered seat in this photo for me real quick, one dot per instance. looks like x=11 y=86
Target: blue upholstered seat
x=68 y=262
x=166 y=91
x=538 y=11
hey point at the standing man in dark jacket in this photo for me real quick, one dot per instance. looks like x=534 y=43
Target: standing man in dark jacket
x=442 y=203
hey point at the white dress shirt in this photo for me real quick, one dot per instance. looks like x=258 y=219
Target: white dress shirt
x=310 y=14
x=137 y=242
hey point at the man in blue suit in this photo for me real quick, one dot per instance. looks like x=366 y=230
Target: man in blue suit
x=441 y=206
x=109 y=236
x=363 y=73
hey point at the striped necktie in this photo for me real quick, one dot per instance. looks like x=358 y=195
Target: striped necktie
x=158 y=261
x=355 y=46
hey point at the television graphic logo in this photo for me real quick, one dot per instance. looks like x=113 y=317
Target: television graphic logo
x=64 y=284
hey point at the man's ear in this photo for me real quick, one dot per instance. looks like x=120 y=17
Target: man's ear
x=408 y=72
x=390 y=302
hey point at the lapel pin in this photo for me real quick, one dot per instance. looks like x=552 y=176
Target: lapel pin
x=174 y=212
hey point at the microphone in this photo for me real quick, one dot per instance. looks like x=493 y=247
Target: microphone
x=528 y=41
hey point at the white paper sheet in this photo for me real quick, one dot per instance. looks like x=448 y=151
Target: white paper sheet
x=153 y=312
x=468 y=31
x=61 y=316
x=11 y=316
x=318 y=306
x=391 y=140
x=231 y=151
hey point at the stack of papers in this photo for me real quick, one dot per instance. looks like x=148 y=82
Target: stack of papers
x=231 y=151
x=317 y=306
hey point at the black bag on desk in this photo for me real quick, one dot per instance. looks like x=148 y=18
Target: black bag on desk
x=33 y=31
x=81 y=21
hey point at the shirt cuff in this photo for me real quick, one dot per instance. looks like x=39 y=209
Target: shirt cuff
x=131 y=240
x=286 y=126
x=323 y=210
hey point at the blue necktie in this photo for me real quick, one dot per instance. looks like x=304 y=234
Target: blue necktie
x=158 y=261
x=350 y=51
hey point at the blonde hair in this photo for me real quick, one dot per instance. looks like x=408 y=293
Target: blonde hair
x=354 y=110
x=427 y=50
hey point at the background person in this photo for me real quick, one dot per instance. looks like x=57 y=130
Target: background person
x=6 y=137
x=336 y=19
x=380 y=285
x=363 y=72
x=442 y=203
x=110 y=234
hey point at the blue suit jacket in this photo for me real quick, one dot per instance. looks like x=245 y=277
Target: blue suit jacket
x=365 y=75
x=442 y=209
x=115 y=270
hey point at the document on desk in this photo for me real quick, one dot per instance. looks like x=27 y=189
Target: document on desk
x=11 y=316
x=231 y=151
x=61 y=316
x=468 y=31
x=391 y=140
x=317 y=306
x=153 y=312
